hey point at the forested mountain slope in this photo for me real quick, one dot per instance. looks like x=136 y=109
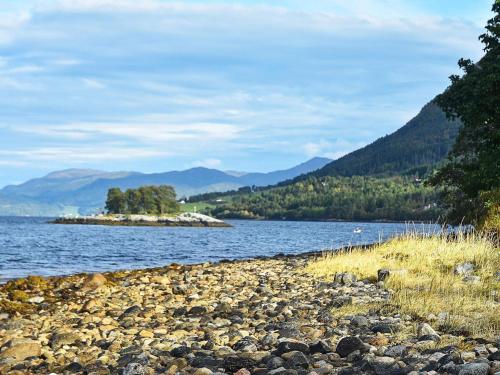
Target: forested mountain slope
x=423 y=141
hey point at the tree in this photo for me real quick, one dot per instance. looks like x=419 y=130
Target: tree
x=148 y=200
x=472 y=172
x=115 y=203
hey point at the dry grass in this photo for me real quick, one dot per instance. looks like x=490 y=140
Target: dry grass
x=427 y=284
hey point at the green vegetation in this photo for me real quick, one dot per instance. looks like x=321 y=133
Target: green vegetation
x=471 y=176
x=196 y=207
x=335 y=198
x=415 y=148
x=147 y=200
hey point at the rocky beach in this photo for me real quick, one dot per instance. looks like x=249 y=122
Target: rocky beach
x=262 y=316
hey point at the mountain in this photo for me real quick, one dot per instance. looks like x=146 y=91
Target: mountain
x=373 y=183
x=84 y=190
x=422 y=142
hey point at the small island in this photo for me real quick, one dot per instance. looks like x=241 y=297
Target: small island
x=146 y=206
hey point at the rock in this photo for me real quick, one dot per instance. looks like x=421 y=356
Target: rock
x=242 y=371
x=341 y=301
x=320 y=347
x=382 y=365
x=471 y=279
x=74 y=367
x=246 y=344
x=63 y=338
x=297 y=359
x=383 y=274
x=203 y=371
x=37 y=299
x=274 y=362
x=396 y=351
x=290 y=346
x=197 y=311
x=20 y=349
x=94 y=281
x=475 y=369
x=180 y=351
x=426 y=332
x=131 y=311
x=349 y=344
x=464 y=269
x=383 y=328
x=494 y=356
x=234 y=363
x=359 y=321
x=345 y=278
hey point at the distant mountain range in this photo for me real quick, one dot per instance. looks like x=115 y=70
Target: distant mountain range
x=84 y=191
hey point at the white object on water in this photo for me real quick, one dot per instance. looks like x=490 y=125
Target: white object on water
x=357 y=230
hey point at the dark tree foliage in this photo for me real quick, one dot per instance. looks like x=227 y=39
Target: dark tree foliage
x=422 y=142
x=115 y=203
x=341 y=198
x=148 y=200
x=471 y=176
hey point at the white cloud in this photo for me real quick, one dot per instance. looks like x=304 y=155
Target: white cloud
x=147 y=132
x=93 y=84
x=82 y=154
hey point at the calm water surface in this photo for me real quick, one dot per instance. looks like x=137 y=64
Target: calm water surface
x=30 y=246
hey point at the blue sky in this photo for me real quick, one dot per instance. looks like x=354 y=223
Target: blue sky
x=243 y=85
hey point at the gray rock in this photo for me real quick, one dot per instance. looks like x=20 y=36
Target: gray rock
x=134 y=369
x=383 y=365
x=297 y=360
x=345 y=278
x=475 y=369
x=291 y=346
x=349 y=344
x=320 y=347
x=396 y=351
x=425 y=330
x=471 y=279
x=384 y=328
x=464 y=269
x=359 y=321
x=383 y=274
x=65 y=338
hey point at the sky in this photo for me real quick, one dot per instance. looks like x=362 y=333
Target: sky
x=244 y=85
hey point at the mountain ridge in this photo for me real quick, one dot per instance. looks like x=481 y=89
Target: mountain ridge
x=86 y=189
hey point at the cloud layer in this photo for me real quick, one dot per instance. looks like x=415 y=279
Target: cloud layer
x=158 y=85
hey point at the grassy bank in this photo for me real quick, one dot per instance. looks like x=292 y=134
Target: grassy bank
x=424 y=281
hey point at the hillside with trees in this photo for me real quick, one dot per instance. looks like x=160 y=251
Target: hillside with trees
x=415 y=148
x=146 y=200
x=334 y=198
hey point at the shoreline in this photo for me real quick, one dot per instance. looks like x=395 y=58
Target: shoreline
x=264 y=316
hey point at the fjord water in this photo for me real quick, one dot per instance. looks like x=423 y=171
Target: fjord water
x=31 y=246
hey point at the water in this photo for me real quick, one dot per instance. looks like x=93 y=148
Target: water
x=31 y=246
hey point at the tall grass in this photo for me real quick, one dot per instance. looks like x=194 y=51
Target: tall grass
x=426 y=283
